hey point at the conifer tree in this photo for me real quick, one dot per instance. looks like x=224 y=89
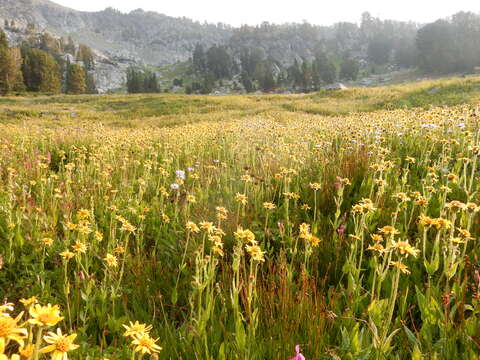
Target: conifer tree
x=135 y=81
x=16 y=76
x=40 y=71
x=69 y=46
x=325 y=68
x=295 y=74
x=86 y=55
x=305 y=76
x=5 y=65
x=76 y=81
x=150 y=82
x=199 y=59
x=90 y=83
x=49 y=74
x=349 y=68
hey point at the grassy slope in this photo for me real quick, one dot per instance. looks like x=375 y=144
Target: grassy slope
x=169 y=109
x=117 y=159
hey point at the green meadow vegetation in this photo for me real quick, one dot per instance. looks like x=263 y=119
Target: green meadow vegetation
x=236 y=227
x=171 y=109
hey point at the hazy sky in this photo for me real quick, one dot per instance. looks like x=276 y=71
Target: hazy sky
x=324 y=12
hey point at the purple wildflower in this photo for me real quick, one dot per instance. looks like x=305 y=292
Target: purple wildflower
x=299 y=355
x=341 y=229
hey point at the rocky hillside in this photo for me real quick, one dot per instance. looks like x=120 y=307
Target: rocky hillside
x=118 y=39
x=149 y=38
x=146 y=37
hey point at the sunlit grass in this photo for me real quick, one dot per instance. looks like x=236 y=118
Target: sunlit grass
x=241 y=226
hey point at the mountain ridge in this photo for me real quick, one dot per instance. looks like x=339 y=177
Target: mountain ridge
x=145 y=37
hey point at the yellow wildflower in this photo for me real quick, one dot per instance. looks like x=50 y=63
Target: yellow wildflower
x=405 y=248
x=399 y=265
x=59 y=346
x=67 y=254
x=45 y=316
x=111 y=260
x=269 y=205
x=145 y=344
x=29 y=302
x=10 y=329
x=192 y=227
x=136 y=328
x=47 y=241
x=241 y=198
x=255 y=252
x=80 y=247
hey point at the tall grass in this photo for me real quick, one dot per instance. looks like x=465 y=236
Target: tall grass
x=238 y=237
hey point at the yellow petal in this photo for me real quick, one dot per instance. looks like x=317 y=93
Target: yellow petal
x=72 y=337
x=48 y=349
x=57 y=355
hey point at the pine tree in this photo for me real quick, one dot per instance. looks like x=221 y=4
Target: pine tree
x=208 y=83
x=90 y=83
x=306 y=76
x=5 y=65
x=30 y=63
x=295 y=74
x=135 y=80
x=325 y=68
x=219 y=62
x=199 y=59
x=349 y=68
x=264 y=75
x=76 y=82
x=150 y=82
x=69 y=46
x=246 y=82
x=50 y=45
x=16 y=76
x=86 y=55
x=40 y=71
x=315 y=76
x=49 y=74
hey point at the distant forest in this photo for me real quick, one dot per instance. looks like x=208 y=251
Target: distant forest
x=267 y=57
x=43 y=63
x=304 y=57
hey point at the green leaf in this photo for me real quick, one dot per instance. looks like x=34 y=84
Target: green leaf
x=411 y=337
x=174 y=296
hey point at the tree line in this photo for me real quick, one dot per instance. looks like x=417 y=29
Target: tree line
x=305 y=57
x=340 y=53
x=141 y=81
x=256 y=71
x=451 y=45
x=42 y=64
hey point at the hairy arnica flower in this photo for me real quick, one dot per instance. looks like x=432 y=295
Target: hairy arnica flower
x=145 y=344
x=111 y=260
x=136 y=328
x=255 y=252
x=45 y=316
x=60 y=345
x=405 y=248
x=11 y=330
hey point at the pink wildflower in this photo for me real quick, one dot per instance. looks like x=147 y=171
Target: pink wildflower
x=299 y=356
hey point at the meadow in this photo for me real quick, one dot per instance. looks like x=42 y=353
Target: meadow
x=202 y=227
